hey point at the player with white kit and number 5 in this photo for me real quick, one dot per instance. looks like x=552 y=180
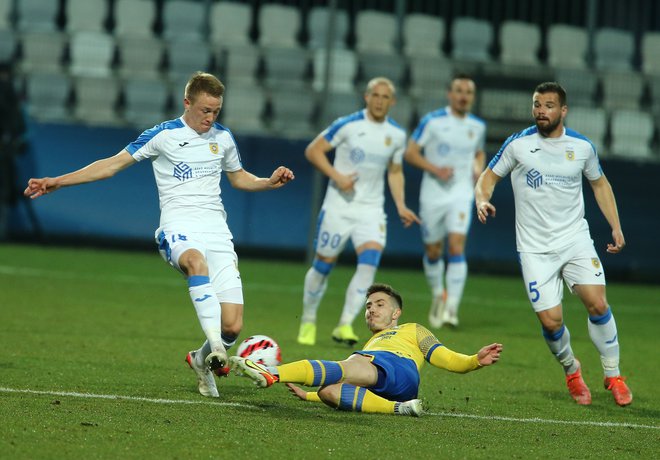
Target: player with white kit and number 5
x=188 y=155
x=368 y=143
x=546 y=163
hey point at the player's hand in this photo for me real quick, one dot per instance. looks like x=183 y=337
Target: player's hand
x=281 y=176
x=408 y=217
x=297 y=391
x=484 y=209
x=619 y=242
x=489 y=354
x=39 y=187
x=444 y=174
x=345 y=182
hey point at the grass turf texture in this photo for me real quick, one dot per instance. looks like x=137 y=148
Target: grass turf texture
x=120 y=323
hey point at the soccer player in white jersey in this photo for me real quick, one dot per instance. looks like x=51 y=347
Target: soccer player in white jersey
x=452 y=140
x=547 y=162
x=367 y=145
x=187 y=155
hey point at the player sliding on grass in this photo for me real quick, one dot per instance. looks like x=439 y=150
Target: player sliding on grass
x=381 y=378
x=188 y=154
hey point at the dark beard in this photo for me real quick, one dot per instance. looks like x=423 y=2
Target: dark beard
x=545 y=132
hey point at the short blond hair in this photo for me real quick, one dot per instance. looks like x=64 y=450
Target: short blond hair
x=202 y=82
x=380 y=81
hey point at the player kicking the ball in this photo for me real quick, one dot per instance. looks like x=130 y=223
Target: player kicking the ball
x=383 y=377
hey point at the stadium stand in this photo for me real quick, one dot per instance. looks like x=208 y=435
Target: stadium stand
x=86 y=15
x=139 y=56
x=48 y=96
x=145 y=101
x=650 y=51
x=387 y=65
x=318 y=25
x=343 y=70
x=519 y=43
x=614 y=49
x=8 y=44
x=375 y=31
x=184 y=20
x=293 y=111
x=91 y=53
x=622 y=90
x=279 y=25
x=580 y=84
x=428 y=75
x=185 y=57
x=96 y=100
x=6 y=13
x=37 y=15
x=285 y=66
x=567 y=46
x=632 y=133
x=134 y=18
x=471 y=39
x=239 y=64
x=42 y=51
x=591 y=122
x=229 y=24
x=423 y=35
x=243 y=108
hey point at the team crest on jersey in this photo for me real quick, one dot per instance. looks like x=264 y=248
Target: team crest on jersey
x=213 y=147
x=595 y=262
x=570 y=154
x=388 y=141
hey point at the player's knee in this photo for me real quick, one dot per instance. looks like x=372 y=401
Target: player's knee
x=330 y=394
x=433 y=252
x=369 y=257
x=551 y=325
x=192 y=262
x=597 y=306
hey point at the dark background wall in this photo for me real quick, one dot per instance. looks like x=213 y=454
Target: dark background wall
x=124 y=210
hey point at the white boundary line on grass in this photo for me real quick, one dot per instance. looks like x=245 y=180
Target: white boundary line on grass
x=248 y=406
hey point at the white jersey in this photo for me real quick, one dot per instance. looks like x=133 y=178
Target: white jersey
x=546 y=176
x=187 y=167
x=366 y=148
x=449 y=141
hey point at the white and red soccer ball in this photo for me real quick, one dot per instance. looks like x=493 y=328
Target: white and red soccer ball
x=260 y=349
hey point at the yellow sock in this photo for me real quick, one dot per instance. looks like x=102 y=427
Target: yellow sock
x=311 y=372
x=360 y=399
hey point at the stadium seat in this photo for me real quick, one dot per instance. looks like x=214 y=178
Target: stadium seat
x=6 y=12
x=651 y=53
x=654 y=93
x=580 y=85
x=285 y=66
x=343 y=70
x=429 y=103
x=239 y=64
x=632 y=133
x=293 y=112
x=229 y=24
x=184 y=57
x=614 y=49
x=145 y=101
x=622 y=90
x=96 y=100
x=339 y=104
x=317 y=27
x=8 y=44
x=139 y=56
x=47 y=96
x=429 y=75
x=590 y=122
x=42 y=51
x=375 y=31
x=519 y=43
x=472 y=39
x=134 y=18
x=37 y=15
x=279 y=25
x=499 y=104
x=423 y=35
x=243 y=108
x=567 y=46
x=373 y=65
x=86 y=15
x=184 y=19
x=91 y=53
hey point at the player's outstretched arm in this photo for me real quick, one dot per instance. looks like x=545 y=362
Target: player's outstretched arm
x=396 y=183
x=101 y=169
x=489 y=354
x=246 y=181
x=607 y=204
x=483 y=191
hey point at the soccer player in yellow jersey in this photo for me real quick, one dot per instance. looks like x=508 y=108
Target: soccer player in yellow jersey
x=383 y=377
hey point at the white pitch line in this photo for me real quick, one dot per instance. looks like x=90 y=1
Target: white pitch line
x=247 y=406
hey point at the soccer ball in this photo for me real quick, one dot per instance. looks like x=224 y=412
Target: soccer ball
x=261 y=349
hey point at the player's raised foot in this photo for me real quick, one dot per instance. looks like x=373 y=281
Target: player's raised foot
x=345 y=334
x=437 y=311
x=413 y=408
x=617 y=385
x=205 y=381
x=256 y=372
x=449 y=318
x=307 y=334
x=577 y=388
x=217 y=360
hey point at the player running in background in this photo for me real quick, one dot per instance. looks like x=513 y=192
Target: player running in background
x=547 y=162
x=368 y=143
x=453 y=143
x=383 y=377
x=187 y=155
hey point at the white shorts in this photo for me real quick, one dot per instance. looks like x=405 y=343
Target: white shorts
x=543 y=272
x=334 y=228
x=218 y=250
x=439 y=220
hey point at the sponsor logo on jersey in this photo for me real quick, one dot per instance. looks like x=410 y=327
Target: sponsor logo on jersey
x=182 y=171
x=595 y=262
x=183 y=144
x=443 y=149
x=388 y=141
x=570 y=154
x=213 y=147
x=357 y=155
x=534 y=178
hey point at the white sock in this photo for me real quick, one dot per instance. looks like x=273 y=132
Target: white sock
x=208 y=308
x=603 y=333
x=356 y=292
x=560 y=346
x=316 y=282
x=456 y=276
x=435 y=272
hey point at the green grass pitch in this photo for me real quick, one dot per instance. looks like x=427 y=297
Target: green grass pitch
x=92 y=366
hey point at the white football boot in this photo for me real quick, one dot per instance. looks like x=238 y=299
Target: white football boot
x=205 y=380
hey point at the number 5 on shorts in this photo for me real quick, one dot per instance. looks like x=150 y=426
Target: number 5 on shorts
x=535 y=294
